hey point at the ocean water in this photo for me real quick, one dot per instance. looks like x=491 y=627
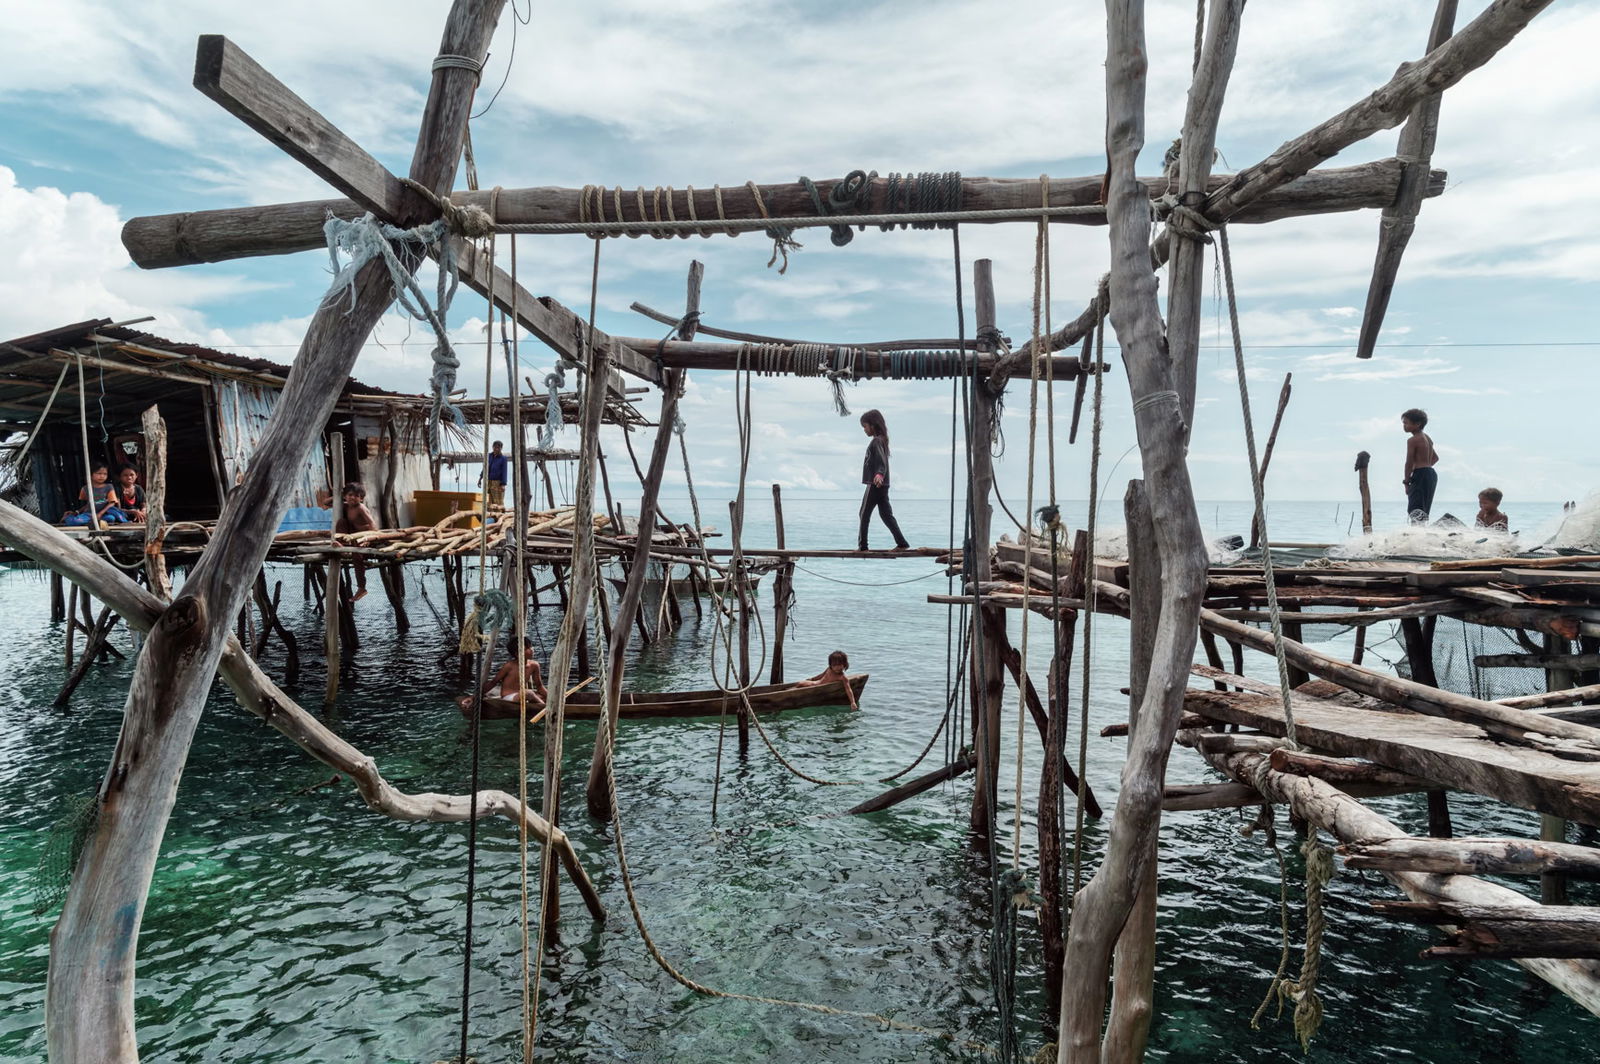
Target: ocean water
x=288 y=923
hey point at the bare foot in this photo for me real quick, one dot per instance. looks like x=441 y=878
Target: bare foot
x=359 y=595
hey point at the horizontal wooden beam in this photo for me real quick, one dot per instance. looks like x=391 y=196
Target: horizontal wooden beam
x=59 y=355
x=182 y=239
x=706 y=354
x=1476 y=857
x=1569 y=662
x=1566 y=931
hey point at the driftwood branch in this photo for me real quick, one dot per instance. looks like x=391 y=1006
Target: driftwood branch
x=90 y=992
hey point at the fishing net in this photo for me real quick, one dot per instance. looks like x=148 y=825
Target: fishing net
x=62 y=848
x=1456 y=644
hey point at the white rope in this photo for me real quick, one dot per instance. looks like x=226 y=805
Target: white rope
x=1274 y=617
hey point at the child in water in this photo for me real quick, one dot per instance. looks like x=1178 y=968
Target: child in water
x=504 y=683
x=1489 y=515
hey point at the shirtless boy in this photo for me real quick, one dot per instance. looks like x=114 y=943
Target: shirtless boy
x=504 y=683
x=1489 y=515
x=838 y=664
x=355 y=517
x=1421 y=480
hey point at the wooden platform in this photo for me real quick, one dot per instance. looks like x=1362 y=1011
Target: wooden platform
x=1460 y=756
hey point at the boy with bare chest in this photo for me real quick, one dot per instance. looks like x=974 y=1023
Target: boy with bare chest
x=1421 y=480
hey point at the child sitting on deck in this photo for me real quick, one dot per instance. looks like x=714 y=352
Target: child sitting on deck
x=838 y=663
x=353 y=517
x=104 y=505
x=1489 y=515
x=130 y=496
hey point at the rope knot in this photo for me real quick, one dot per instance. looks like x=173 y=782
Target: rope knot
x=1190 y=223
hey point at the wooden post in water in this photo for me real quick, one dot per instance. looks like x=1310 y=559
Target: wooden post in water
x=1419 y=655
x=58 y=598
x=1362 y=458
x=736 y=581
x=72 y=629
x=1553 y=885
x=782 y=581
x=1134 y=958
x=597 y=793
x=987 y=666
x=332 y=601
x=155 y=500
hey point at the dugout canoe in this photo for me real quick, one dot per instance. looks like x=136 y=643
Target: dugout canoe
x=585 y=705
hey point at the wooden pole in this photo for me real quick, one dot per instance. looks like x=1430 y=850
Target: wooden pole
x=1553 y=885
x=332 y=600
x=90 y=991
x=736 y=580
x=218 y=235
x=1105 y=904
x=782 y=584
x=155 y=500
x=58 y=599
x=1362 y=459
x=597 y=792
x=1134 y=958
x=987 y=666
x=72 y=629
x=1400 y=217
x=1266 y=455
x=1187 y=266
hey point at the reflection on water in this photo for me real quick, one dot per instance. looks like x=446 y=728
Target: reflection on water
x=289 y=923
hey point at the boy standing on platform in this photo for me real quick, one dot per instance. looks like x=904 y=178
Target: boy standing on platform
x=495 y=475
x=1421 y=480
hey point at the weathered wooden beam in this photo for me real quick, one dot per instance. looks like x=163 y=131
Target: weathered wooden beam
x=1266 y=454
x=1323 y=805
x=90 y=991
x=1400 y=217
x=127 y=367
x=1456 y=755
x=1184 y=798
x=225 y=74
x=705 y=354
x=1186 y=270
x=1475 y=45
x=157 y=241
x=1475 y=857
x=1570 y=662
x=155 y=501
x=895 y=795
x=1545 y=931
x=1568 y=697
x=1413 y=696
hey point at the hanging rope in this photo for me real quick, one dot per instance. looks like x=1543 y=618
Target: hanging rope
x=1301 y=992
x=1274 y=616
x=365 y=240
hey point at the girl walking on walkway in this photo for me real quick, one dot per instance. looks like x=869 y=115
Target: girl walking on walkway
x=875 y=475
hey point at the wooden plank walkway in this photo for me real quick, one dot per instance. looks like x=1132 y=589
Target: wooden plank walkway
x=1458 y=755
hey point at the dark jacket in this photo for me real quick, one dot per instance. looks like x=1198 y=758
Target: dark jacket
x=876 y=462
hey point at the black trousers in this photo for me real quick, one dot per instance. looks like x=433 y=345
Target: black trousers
x=1419 y=496
x=878 y=499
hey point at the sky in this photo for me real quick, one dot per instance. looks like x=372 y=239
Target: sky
x=1490 y=328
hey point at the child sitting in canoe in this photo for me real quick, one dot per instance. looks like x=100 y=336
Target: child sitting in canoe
x=838 y=665
x=504 y=684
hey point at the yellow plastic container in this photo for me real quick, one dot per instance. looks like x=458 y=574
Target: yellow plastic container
x=431 y=507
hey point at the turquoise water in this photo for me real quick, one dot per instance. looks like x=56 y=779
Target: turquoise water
x=288 y=923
